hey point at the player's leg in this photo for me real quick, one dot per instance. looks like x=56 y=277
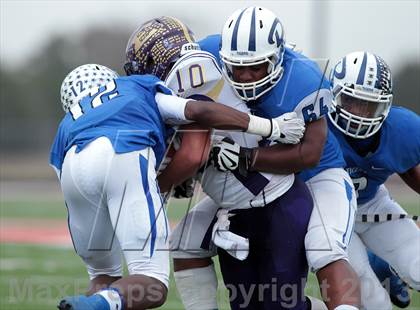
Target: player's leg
x=373 y=295
x=397 y=242
x=191 y=250
x=328 y=235
x=141 y=225
x=398 y=289
x=273 y=276
x=82 y=181
x=282 y=263
x=241 y=278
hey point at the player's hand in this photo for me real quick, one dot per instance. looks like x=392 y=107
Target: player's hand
x=227 y=155
x=185 y=189
x=288 y=128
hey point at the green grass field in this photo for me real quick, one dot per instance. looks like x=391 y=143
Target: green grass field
x=35 y=277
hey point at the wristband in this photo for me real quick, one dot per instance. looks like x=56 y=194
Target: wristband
x=259 y=126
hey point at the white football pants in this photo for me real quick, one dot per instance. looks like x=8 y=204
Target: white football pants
x=114 y=208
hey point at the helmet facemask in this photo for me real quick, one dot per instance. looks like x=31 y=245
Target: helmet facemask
x=253 y=90
x=359 y=113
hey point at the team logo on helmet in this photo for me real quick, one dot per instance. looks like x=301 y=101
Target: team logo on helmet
x=274 y=33
x=155 y=46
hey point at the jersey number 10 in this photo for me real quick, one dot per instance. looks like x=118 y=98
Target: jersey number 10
x=196 y=78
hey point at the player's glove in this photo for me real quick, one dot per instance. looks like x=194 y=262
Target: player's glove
x=185 y=189
x=288 y=128
x=226 y=155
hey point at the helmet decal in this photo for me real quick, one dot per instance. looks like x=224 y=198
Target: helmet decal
x=383 y=81
x=342 y=74
x=274 y=31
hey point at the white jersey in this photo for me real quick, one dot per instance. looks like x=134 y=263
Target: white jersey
x=196 y=75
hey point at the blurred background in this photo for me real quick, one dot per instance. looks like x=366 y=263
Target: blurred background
x=41 y=41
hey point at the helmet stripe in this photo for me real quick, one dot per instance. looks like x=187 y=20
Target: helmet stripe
x=361 y=76
x=234 y=44
x=251 y=43
x=184 y=29
x=378 y=73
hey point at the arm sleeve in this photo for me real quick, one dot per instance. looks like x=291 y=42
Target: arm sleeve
x=172 y=109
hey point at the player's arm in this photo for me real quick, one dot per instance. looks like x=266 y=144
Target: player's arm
x=278 y=159
x=412 y=178
x=218 y=116
x=286 y=158
x=176 y=111
x=187 y=160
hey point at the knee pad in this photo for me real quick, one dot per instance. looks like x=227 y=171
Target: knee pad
x=112 y=271
x=102 y=263
x=156 y=270
x=323 y=246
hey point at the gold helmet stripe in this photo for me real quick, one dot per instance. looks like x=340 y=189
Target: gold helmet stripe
x=138 y=44
x=184 y=29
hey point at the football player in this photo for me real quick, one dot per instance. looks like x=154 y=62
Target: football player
x=274 y=79
x=106 y=152
x=196 y=75
x=377 y=140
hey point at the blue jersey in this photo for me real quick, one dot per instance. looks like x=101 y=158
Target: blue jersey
x=398 y=150
x=124 y=111
x=211 y=44
x=302 y=89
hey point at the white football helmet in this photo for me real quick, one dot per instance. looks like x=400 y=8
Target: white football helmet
x=253 y=36
x=79 y=82
x=362 y=89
